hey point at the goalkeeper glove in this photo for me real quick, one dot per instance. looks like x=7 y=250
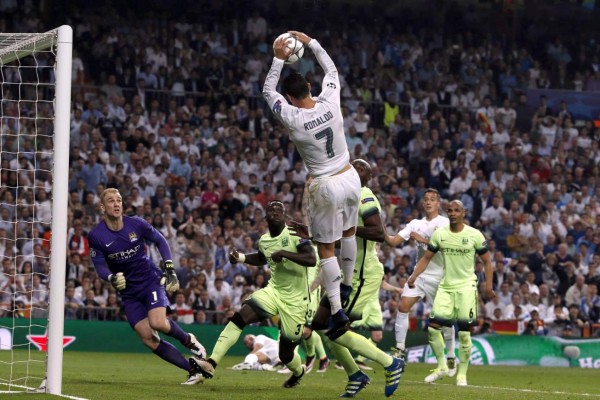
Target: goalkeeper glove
x=170 y=278
x=117 y=280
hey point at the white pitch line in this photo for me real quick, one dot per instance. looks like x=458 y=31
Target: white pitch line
x=513 y=389
x=33 y=390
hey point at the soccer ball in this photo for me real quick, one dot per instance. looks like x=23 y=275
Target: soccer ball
x=294 y=45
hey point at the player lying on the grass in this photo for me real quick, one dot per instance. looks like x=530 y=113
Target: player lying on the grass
x=118 y=251
x=286 y=295
x=365 y=286
x=316 y=126
x=456 y=300
x=420 y=230
x=263 y=356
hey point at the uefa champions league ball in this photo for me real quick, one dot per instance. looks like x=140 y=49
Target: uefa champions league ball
x=294 y=45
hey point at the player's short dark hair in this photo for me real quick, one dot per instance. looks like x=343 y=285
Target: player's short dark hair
x=295 y=85
x=434 y=191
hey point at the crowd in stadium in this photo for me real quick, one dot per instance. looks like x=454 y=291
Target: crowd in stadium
x=169 y=112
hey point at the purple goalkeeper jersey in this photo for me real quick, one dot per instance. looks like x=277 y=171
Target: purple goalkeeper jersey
x=125 y=251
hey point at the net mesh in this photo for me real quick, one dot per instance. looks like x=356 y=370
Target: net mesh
x=27 y=79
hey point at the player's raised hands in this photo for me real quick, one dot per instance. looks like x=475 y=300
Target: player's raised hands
x=304 y=38
x=234 y=256
x=281 y=50
x=298 y=229
x=489 y=294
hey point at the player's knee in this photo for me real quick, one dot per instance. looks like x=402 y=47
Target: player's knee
x=319 y=321
x=286 y=350
x=308 y=332
x=333 y=335
x=238 y=320
x=404 y=308
x=464 y=326
x=376 y=336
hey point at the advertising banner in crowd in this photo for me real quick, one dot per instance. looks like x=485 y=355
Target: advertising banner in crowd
x=524 y=350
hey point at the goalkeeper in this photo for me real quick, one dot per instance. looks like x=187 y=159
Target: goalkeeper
x=118 y=251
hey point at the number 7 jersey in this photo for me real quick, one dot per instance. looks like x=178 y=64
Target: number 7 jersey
x=317 y=132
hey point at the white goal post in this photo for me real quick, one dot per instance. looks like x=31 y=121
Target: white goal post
x=36 y=96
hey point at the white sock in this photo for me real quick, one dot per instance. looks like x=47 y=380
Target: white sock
x=348 y=256
x=251 y=359
x=448 y=332
x=401 y=330
x=330 y=271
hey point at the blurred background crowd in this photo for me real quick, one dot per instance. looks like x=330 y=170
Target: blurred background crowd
x=167 y=108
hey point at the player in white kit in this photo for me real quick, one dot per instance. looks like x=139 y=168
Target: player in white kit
x=315 y=125
x=264 y=353
x=427 y=284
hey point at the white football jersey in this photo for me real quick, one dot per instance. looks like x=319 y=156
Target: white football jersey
x=426 y=228
x=317 y=132
x=270 y=347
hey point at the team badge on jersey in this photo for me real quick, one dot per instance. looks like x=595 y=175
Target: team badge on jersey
x=284 y=241
x=277 y=106
x=92 y=253
x=133 y=236
x=465 y=241
x=331 y=85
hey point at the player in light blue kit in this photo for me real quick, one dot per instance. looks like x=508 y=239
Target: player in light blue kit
x=117 y=248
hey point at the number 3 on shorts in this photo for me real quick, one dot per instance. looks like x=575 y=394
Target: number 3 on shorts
x=328 y=135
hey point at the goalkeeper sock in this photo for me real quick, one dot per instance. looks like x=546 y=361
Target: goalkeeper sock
x=464 y=353
x=227 y=338
x=344 y=357
x=309 y=342
x=169 y=353
x=178 y=333
x=330 y=271
x=436 y=341
x=448 y=332
x=361 y=345
x=401 y=331
x=348 y=255
x=319 y=348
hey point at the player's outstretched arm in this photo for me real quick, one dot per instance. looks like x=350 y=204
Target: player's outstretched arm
x=322 y=57
x=298 y=229
x=392 y=241
x=257 y=258
x=487 y=260
x=420 y=268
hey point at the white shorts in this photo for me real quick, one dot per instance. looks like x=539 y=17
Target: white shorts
x=425 y=288
x=333 y=205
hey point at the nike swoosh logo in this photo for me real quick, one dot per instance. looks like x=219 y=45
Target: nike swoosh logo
x=154 y=302
x=108 y=244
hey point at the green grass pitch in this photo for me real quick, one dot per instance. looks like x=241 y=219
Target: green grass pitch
x=107 y=376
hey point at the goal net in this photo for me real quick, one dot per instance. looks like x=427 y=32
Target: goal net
x=35 y=78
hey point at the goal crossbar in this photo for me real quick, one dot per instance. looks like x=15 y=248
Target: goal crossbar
x=14 y=46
